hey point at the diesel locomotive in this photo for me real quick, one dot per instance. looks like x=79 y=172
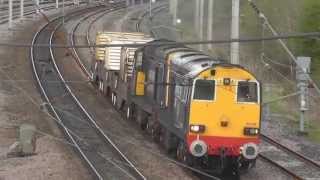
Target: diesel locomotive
x=201 y=108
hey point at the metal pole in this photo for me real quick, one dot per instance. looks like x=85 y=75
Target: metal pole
x=10 y=14
x=275 y=33
x=302 y=122
x=38 y=6
x=141 y=2
x=150 y=6
x=57 y=4
x=201 y=22
x=63 y=12
x=21 y=9
x=210 y=21
x=128 y=2
x=174 y=11
x=234 y=49
x=196 y=16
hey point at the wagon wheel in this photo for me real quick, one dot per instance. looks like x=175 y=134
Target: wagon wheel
x=114 y=99
x=130 y=112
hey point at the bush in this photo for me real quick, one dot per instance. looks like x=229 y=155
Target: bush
x=309 y=22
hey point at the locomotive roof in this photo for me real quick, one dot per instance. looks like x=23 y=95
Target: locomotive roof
x=185 y=61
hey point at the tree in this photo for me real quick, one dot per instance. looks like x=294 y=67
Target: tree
x=310 y=22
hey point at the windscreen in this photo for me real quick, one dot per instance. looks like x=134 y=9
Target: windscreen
x=247 y=92
x=204 y=90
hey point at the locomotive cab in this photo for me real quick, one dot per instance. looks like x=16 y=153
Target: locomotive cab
x=205 y=110
x=224 y=119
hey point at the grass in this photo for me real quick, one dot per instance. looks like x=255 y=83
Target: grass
x=314 y=133
x=316 y=72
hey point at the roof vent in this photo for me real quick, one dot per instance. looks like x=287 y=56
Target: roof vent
x=204 y=64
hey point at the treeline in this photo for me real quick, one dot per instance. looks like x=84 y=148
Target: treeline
x=310 y=22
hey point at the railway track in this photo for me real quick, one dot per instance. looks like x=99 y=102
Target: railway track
x=83 y=19
x=155 y=12
x=30 y=8
x=86 y=67
x=103 y=157
x=293 y=163
x=309 y=169
x=303 y=167
x=262 y=156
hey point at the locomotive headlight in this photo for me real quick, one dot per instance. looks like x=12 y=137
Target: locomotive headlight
x=197 y=128
x=251 y=131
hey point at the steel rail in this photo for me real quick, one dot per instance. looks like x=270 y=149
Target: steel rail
x=77 y=58
x=137 y=174
x=48 y=104
x=79 y=62
x=88 y=32
x=288 y=150
x=161 y=7
x=89 y=29
x=286 y=170
x=270 y=140
x=16 y=11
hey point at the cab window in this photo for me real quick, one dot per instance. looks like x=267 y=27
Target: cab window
x=247 y=91
x=204 y=89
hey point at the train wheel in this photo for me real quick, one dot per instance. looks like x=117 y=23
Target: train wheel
x=183 y=155
x=142 y=119
x=128 y=113
x=101 y=86
x=246 y=166
x=155 y=132
x=112 y=95
x=114 y=99
x=167 y=139
x=131 y=112
x=149 y=125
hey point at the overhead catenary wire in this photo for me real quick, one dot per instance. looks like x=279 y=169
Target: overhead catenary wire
x=274 y=62
x=34 y=102
x=60 y=82
x=225 y=41
x=283 y=44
